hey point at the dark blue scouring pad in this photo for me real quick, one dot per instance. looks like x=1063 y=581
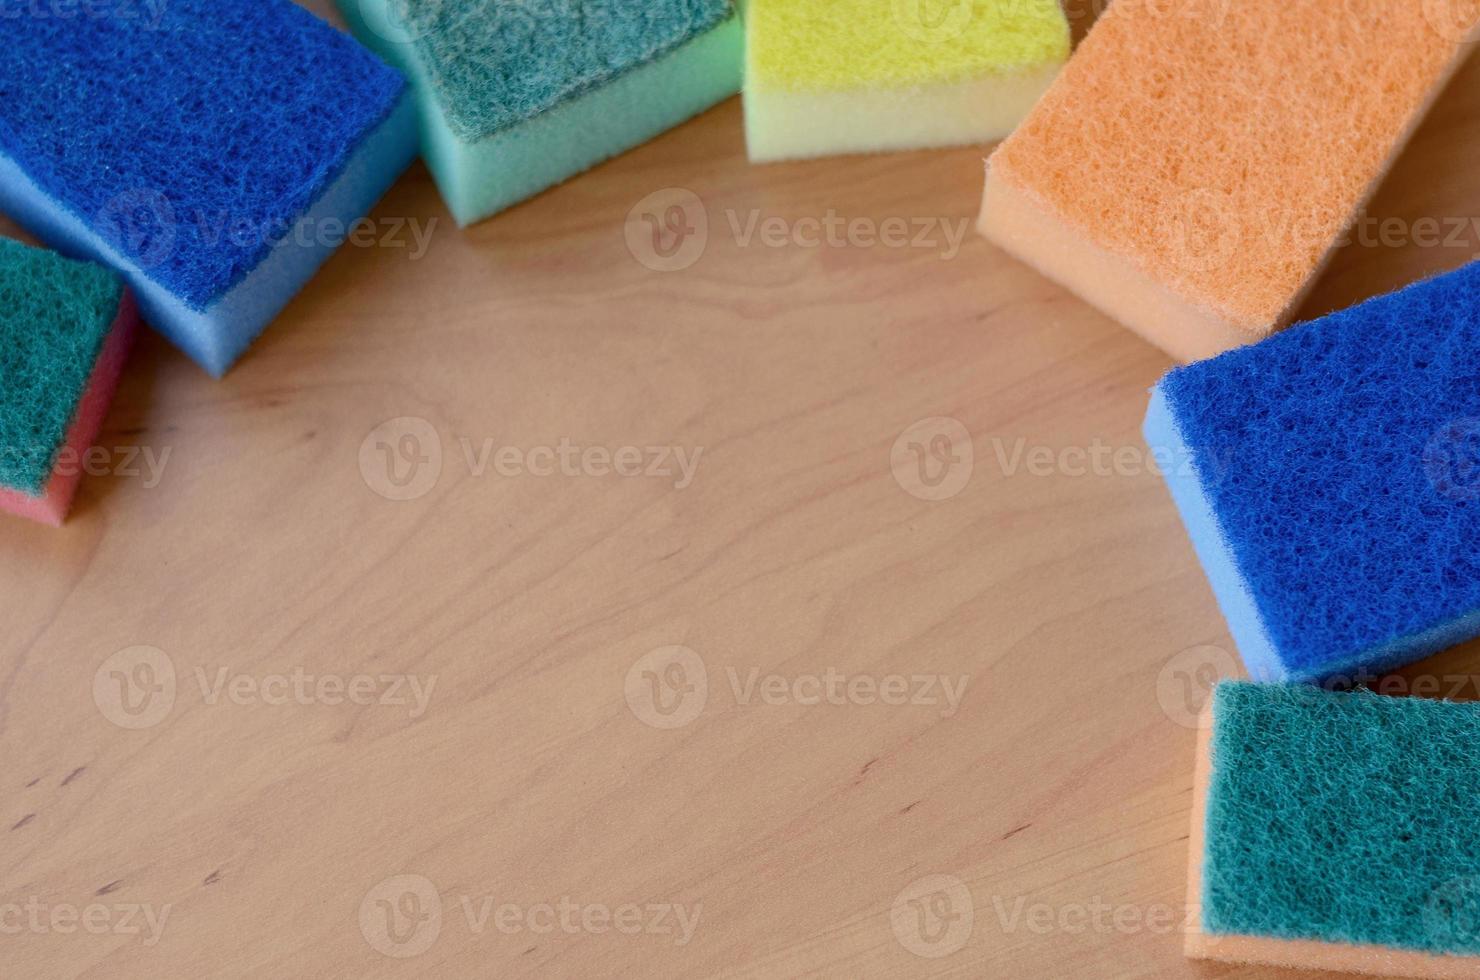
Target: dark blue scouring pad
x=1330 y=480
x=213 y=151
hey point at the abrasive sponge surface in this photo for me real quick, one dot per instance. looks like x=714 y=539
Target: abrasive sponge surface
x=1224 y=147
x=54 y=316
x=494 y=64
x=1343 y=818
x=1343 y=462
x=1341 y=459
x=835 y=45
x=197 y=133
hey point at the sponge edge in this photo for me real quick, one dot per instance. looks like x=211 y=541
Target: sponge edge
x=1148 y=194
x=1309 y=954
x=783 y=125
x=1186 y=479
x=1325 y=477
x=217 y=334
x=479 y=177
x=52 y=505
x=829 y=77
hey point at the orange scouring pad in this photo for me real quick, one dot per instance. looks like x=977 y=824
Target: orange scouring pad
x=1197 y=161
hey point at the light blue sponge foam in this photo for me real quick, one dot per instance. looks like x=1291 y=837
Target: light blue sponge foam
x=214 y=153
x=515 y=98
x=1330 y=480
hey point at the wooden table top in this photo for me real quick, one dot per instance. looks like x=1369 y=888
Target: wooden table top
x=785 y=597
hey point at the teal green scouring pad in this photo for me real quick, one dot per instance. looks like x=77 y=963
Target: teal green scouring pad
x=516 y=97
x=1337 y=831
x=65 y=331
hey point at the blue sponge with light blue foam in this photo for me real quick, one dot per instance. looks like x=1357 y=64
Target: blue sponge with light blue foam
x=1330 y=480
x=214 y=151
x=517 y=97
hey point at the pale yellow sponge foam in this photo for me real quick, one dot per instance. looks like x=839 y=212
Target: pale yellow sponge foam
x=1194 y=166
x=827 y=77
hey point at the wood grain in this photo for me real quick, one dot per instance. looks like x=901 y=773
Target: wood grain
x=1059 y=785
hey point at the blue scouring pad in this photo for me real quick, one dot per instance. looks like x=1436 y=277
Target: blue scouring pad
x=1330 y=480
x=213 y=151
x=515 y=97
x=1337 y=832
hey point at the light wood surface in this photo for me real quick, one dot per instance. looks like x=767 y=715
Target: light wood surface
x=1056 y=793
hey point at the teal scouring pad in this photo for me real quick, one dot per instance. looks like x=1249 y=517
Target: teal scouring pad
x=214 y=152
x=516 y=97
x=1337 y=832
x=1330 y=480
x=65 y=332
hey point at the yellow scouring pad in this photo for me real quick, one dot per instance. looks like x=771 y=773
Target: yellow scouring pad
x=826 y=77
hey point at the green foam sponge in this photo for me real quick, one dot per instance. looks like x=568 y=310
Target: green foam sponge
x=1337 y=831
x=826 y=77
x=66 y=328
x=517 y=97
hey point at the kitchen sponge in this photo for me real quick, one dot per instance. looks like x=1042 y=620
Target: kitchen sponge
x=214 y=153
x=1336 y=832
x=849 y=76
x=1330 y=480
x=65 y=331
x=1195 y=164
x=515 y=98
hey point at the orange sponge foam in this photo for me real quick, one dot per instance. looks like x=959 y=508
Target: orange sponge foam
x=1197 y=161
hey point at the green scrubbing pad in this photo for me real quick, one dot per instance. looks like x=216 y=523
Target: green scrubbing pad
x=515 y=98
x=1339 y=831
x=65 y=331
